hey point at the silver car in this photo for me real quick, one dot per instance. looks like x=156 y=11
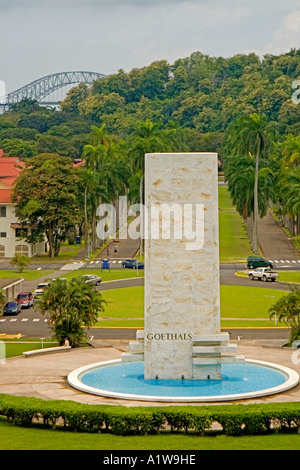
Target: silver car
x=40 y=288
x=92 y=279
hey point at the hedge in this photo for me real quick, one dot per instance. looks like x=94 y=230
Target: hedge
x=232 y=419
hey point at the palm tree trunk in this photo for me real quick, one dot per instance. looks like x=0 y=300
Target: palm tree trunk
x=255 y=212
x=50 y=241
x=93 y=223
x=85 y=222
x=141 y=217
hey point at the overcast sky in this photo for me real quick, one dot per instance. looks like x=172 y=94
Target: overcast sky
x=40 y=37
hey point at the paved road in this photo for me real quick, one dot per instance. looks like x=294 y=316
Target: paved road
x=32 y=324
x=273 y=241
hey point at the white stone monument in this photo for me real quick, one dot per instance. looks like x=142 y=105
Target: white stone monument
x=182 y=337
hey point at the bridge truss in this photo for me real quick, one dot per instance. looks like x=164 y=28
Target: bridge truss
x=41 y=88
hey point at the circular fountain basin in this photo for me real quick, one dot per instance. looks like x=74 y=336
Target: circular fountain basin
x=126 y=381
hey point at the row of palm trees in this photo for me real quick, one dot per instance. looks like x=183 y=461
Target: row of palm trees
x=113 y=168
x=261 y=168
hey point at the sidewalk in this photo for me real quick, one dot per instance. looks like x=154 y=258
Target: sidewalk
x=45 y=376
x=273 y=241
x=125 y=246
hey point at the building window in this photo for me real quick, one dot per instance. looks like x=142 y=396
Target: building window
x=2 y=234
x=2 y=251
x=22 y=249
x=2 y=211
x=21 y=232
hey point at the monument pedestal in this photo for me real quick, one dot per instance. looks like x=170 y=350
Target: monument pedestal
x=182 y=337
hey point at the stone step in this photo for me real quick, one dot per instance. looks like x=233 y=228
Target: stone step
x=136 y=346
x=133 y=357
x=224 y=348
x=200 y=361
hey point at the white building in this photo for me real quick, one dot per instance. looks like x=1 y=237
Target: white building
x=12 y=234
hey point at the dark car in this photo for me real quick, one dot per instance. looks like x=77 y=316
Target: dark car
x=25 y=299
x=12 y=308
x=258 y=262
x=133 y=264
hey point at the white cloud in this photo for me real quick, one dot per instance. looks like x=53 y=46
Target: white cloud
x=39 y=37
x=286 y=37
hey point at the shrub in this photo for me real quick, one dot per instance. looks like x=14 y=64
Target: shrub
x=234 y=419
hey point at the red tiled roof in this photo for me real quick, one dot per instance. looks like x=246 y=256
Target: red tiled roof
x=9 y=181
x=78 y=163
x=9 y=170
x=5 y=195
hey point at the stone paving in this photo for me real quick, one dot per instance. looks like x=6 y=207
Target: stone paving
x=46 y=376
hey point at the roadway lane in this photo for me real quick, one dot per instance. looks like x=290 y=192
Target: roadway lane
x=31 y=323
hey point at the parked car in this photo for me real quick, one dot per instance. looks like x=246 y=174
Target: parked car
x=263 y=274
x=12 y=308
x=133 y=264
x=25 y=299
x=40 y=288
x=258 y=262
x=92 y=279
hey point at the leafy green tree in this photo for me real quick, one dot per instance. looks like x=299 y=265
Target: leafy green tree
x=72 y=305
x=74 y=97
x=21 y=261
x=287 y=310
x=19 y=148
x=46 y=195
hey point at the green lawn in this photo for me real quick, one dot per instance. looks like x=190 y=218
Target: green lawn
x=247 y=302
x=234 y=244
x=66 y=253
x=238 y=302
x=17 y=349
x=127 y=302
x=18 y=438
x=28 y=274
x=113 y=275
x=225 y=203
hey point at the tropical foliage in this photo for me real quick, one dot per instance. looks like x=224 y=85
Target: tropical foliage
x=287 y=310
x=240 y=107
x=72 y=306
x=46 y=195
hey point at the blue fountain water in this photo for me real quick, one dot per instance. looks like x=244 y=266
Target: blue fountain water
x=128 y=378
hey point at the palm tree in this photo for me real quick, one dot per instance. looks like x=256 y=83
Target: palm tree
x=97 y=156
x=70 y=306
x=291 y=151
x=287 y=309
x=289 y=190
x=148 y=138
x=252 y=135
x=240 y=173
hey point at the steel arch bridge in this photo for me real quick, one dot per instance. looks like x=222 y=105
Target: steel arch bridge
x=41 y=88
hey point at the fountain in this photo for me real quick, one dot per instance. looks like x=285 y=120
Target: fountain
x=182 y=355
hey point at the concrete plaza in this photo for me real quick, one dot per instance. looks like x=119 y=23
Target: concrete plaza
x=46 y=376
